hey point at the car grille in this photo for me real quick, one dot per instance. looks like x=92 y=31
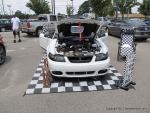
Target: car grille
x=80 y=73
x=83 y=59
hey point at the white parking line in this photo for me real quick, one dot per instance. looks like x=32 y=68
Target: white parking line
x=10 y=51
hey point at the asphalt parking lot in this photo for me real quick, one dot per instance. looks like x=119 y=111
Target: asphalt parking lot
x=22 y=60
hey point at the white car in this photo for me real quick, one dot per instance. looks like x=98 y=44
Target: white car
x=76 y=49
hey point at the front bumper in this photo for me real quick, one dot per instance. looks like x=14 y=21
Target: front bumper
x=27 y=30
x=140 y=35
x=67 y=69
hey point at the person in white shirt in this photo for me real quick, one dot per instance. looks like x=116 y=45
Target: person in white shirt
x=16 y=27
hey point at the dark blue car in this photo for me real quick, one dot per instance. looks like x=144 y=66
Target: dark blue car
x=141 y=29
x=5 y=25
x=147 y=21
x=2 y=51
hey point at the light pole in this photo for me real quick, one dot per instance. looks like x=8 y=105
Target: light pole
x=3 y=7
x=53 y=6
x=72 y=6
x=9 y=6
x=1 y=12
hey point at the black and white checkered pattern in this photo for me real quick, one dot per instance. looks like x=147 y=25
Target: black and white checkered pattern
x=45 y=28
x=128 y=72
x=127 y=38
x=106 y=82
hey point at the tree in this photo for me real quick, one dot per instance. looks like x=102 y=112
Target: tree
x=38 y=6
x=101 y=7
x=84 y=8
x=21 y=15
x=124 y=6
x=145 y=8
x=69 y=10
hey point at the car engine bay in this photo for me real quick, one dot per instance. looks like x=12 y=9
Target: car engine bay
x=78 y=44
x=74 y=46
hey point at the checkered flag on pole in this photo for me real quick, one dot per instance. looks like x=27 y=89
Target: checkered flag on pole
x=127 y=51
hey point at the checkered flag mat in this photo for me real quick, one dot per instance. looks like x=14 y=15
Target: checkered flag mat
x=61 y=85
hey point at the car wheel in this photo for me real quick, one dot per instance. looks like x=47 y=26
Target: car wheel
x=144 y=39
x=2 y=54
x=106 y=29
x=3 y=29
x=29 y=33
x=39 y=30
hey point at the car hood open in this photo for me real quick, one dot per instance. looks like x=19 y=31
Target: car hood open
x=89 y=25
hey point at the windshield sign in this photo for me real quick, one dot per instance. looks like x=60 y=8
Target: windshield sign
x=77 y=29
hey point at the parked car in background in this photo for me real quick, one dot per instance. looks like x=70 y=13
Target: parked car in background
x=2 y=51
x=104 y=20
x=5 y=24
x=87 y=16
x=147 y=21
x=141 y=30
x=76 y=49
x=35 y=26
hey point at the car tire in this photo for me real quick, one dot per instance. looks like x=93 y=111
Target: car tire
x=2 y=54
x=106 y=29
x=38 y=31
x=144 y=39
x=3 y=29
x=29 y=34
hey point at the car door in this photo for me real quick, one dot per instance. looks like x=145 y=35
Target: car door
x=112 y=28
x=45 y=39
x=8 y=25
x=117 y=29
x=53 y=20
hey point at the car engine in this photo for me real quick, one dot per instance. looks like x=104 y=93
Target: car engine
x=74 y=46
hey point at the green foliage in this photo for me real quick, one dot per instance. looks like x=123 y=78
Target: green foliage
x=125 y=6
x=145 y=8
x=21 y=15
x=101 y=7
x=38 y=6
x=69 y=10
x=84 y=8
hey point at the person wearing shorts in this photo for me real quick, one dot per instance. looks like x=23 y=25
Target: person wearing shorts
x=16 y=27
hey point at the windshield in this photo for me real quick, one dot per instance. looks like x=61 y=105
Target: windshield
x=136 y=22
x=53 y=18
x=4 y=21
x=60 y=18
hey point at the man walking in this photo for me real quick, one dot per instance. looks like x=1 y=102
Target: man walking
x=16 y=27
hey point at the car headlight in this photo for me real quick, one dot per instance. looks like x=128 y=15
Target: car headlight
x=101 y=56
x=57 y=57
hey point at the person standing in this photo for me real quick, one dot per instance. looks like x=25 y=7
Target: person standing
x=16 y=27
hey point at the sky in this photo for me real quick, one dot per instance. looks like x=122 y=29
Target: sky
x=60 y=5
